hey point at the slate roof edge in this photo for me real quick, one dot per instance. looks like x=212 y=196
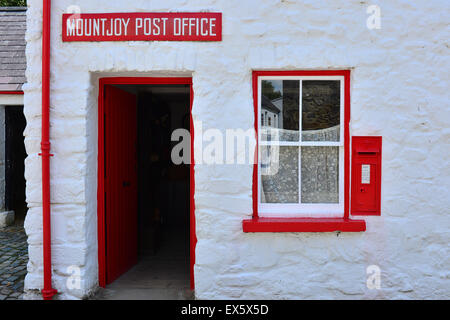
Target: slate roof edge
x=13 y=8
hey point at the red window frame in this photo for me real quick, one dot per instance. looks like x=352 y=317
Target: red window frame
x=260 y=224
x=11 y=92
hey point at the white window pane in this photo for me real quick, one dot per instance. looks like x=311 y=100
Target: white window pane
x=320 y=174
x=280 y=109
x=321 y=110
x=279 y=174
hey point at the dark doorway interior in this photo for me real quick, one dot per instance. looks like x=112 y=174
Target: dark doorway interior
x=162 y=271
x=15 y=162
x=163 y=186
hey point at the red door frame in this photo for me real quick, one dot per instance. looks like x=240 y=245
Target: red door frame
x=101 y=169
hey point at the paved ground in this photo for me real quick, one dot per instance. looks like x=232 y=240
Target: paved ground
x=164 y=276
x=13 y=262
x=161 y=276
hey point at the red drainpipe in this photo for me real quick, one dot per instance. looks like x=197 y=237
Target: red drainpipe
x=48 y=292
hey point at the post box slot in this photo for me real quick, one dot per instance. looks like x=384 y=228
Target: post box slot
x=367 y=152
x=367 y=148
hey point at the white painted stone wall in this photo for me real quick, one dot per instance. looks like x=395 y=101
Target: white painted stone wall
x=399 y=89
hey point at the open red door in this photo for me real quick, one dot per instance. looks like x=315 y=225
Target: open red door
x=120 y=181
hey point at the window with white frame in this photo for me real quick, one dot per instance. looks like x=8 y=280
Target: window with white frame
x=301 y=158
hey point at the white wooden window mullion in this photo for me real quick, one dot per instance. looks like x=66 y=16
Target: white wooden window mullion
x=300 y=128
x=292 y=209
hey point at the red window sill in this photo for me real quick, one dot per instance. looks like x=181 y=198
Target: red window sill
x=303 y=225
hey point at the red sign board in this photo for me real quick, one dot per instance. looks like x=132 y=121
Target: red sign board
x=156 y=26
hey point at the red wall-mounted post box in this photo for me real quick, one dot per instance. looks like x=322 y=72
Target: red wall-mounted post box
x=366 y=176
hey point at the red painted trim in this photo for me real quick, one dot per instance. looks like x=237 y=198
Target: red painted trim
x=347 y=144
x=100 y=174
x=12 y=92
x=193 y=237
x=47 y=292
x=255 y=163
x=146 y=80
x=346 y=75
x=301 y=73
x=101 y=188
x=303 y=225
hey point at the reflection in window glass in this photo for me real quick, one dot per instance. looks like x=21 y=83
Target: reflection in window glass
x=320 y=174
x=279 y=174
x=321 y=110
x=280 y=102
